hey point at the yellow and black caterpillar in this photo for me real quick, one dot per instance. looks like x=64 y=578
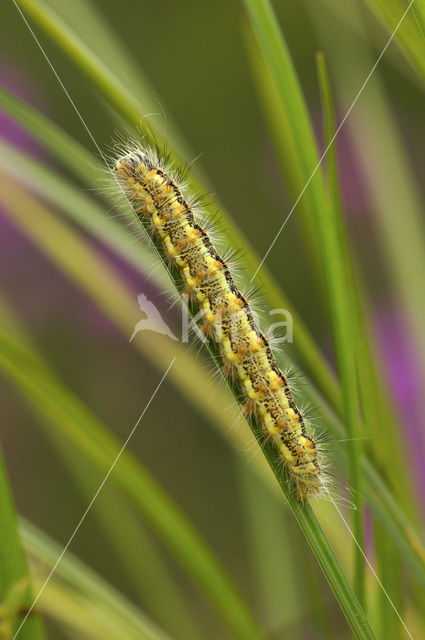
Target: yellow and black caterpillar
x=157 y=199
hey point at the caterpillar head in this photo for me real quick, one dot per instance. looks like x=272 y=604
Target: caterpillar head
x=126 y=166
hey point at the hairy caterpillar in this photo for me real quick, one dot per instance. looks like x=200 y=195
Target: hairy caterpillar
x=227 y=318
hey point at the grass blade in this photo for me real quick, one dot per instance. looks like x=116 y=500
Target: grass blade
x=106 y=605
x=325 y=556
x=338 y=294
x=377 y=419
x=418 y=9
x=409 y=37
x=381 y=154
x=15 y=588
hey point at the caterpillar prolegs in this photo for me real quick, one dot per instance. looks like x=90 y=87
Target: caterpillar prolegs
x=157 y=199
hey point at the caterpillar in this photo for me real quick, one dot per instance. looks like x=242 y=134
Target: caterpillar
x=152 y=188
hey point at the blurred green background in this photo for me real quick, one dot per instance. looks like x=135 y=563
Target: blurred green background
x=195 y=57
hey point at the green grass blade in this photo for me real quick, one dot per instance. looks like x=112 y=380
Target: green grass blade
x=331 y=163
x=381 y=500
x=418 y=9
x=284 y=143
x=79 y=616
x=325 y=555
x=391 y=573
x=93 y=66
x=105 y=603
x=410 y=35
x=381 y=154
x=72 y=155
x=378 y=421
x=15 y=588
x=136 y=551
x=323 y=221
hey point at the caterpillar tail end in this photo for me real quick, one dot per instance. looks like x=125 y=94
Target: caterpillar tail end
x=307 y=490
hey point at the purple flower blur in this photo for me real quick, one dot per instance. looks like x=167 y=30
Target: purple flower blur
x=10 y=130
x=404 y=379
